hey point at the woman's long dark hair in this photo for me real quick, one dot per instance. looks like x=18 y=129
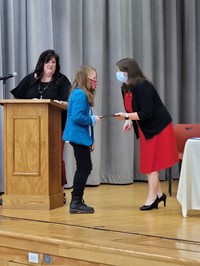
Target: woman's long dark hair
x=135 y=74
x=44 y=58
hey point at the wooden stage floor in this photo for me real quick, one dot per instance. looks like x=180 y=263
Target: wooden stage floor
x=118 y=233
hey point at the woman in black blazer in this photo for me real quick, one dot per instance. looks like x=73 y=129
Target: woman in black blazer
x=152 y=125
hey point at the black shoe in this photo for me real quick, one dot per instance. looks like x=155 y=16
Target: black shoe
x=64 y=198
x=162 y=198
x=78 y=206
x=154 y=205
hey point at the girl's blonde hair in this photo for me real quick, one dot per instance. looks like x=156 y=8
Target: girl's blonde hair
x=81 y=81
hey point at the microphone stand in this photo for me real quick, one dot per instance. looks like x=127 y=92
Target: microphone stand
x=4 y=94
x=4 y=78
x=4 y=88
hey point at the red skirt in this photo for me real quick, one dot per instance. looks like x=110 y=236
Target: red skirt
x=159 y=152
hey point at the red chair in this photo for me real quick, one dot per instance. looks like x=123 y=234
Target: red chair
x=183 y=132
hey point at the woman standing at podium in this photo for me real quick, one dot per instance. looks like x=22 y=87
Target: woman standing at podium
x=47 y=82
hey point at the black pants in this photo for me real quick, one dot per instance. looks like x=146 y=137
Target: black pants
x=83 y=168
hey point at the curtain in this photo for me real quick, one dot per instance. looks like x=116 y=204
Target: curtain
x=163 y=36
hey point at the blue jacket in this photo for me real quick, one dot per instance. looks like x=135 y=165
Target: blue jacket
x=79 y=119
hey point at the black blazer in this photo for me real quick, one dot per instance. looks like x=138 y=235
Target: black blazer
x=153 y=114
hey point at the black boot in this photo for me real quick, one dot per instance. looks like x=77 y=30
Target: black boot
x=77 y=205
x=64 y=198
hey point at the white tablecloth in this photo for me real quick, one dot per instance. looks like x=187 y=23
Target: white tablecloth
x=188 y=193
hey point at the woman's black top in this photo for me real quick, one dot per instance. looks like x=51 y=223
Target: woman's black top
x=56 y=89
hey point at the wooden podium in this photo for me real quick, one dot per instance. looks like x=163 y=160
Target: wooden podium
x=32 y=154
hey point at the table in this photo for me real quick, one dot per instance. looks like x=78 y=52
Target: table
x=188 y=193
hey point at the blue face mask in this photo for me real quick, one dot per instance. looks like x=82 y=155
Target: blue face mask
x=121 y=76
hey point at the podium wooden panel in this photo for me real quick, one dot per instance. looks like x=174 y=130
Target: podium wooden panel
x=32 y=154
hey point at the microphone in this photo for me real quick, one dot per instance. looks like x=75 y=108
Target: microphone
x=14 y=74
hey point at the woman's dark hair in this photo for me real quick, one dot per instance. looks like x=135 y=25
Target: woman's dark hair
x=44 y=58
x=130 y=66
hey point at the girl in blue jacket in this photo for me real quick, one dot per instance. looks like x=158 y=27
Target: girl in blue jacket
x=79 y=132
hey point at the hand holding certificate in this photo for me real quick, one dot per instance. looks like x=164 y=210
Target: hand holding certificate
x=109 y=115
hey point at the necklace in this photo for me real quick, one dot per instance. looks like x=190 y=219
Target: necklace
x=42 y=88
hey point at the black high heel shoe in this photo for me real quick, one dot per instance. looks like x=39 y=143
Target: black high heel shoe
x=154 y=205
x=162 y=198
